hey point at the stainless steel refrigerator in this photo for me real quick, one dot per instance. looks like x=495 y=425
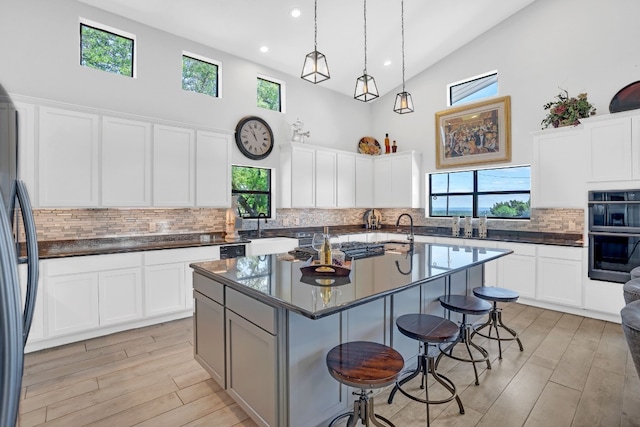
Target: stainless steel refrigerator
x=16 y=219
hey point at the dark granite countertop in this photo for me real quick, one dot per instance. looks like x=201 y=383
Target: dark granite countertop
x=111 y=245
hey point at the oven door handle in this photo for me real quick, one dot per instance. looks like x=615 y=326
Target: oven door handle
x=619 y=234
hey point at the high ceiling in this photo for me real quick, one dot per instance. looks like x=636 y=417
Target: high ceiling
x=433 y=29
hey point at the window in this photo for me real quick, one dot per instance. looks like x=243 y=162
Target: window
x=253 y=188
x=472 y=89
x=270 y=94
x=106 y=49
x=200 y=75
x=496 y=193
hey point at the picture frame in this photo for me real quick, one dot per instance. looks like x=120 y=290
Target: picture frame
x=474 y=134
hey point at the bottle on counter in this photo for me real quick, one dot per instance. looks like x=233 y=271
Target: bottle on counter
x=394 y=147
x=387 y=145
x=325 y=250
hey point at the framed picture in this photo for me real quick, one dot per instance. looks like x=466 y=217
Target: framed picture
x=474 y=134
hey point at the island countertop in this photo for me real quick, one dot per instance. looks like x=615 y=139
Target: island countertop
x=277 y=280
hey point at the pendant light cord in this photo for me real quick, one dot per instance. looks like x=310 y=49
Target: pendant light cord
x=315 y=25
x=402 y=26
x=365 y=37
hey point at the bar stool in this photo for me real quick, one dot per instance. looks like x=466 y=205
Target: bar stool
x=364 y=365
x=495 y=294
x=430 y=331
x=465 y=305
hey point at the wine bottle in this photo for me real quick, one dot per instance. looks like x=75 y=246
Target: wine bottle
x=387 y=146
x=325 y=251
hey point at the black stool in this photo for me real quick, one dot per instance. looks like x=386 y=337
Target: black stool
x=364 y=365
x=496 y=295
x=430 y=331
x=465 y=305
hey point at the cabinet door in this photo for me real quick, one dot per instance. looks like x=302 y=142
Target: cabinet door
x=72 y=302
x=173 y=166
x=120 y=295
x=126 y=162
x=252 y=377
x=325 y=179
x=401 y=181
x=213 y=169
x=164 y=289
x=382 y=187
x=37 y=331
x=303 y=171
x=67 y=158
x=346 y=180
x=517 y=271
x=364 y=182
x=209 y=345
x=27 y=148
x=558 y=172
x=560 y=275
x=609 y=150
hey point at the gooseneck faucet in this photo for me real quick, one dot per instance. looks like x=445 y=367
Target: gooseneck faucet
x=261 y=215
x=410 y=236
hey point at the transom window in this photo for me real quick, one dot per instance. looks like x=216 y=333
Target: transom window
x=472 y=89
x=496 y=193
x=253 y=188
x=270 y=94
x=106 y=49
x=200 y=74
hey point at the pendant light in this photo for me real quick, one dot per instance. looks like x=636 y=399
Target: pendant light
x=404 y=103
x=315 y=68
x=366 y=88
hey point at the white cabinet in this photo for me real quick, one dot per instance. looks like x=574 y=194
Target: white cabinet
x=397 y=180
x=364 y=181
x=213 y=169
x=164 y=288
x=72 y=303
x=559 y=275
x=609 y=150
x=126 y=162
x=297 y=176
x=173 y=166
x=120 y=295
x=325 y=179
x=558 y=175
x=345 y=180
x=67 y=158
x=517 y=271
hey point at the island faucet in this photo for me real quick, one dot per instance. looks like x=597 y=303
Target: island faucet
x=410 y=236
x=261 y=215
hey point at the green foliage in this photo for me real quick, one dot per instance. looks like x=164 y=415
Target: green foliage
x=566 y=111
x=106 y=51
x=511 y=209
x=268 y=95
x=253 y=187
x=199 y=76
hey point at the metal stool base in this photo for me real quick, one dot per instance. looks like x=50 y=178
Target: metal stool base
x=495 y=322
x=426 y=366
x=363 y=410
x=465 y=338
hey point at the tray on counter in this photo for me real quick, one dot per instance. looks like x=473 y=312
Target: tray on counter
x=315 y=269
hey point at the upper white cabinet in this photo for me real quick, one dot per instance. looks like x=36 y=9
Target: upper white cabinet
x=213 y=170
x=326 y=174
x=126 y=162
x=346 y=180
x=364 y=181
x=610 y=150
x=558 y=173
x=67 y=158
x=397 y=180
x=173 y=166
x=297 y=176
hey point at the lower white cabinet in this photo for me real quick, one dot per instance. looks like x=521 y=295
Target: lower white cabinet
x=559 y=273
x=164 y=288
x=120 y=295
x=72 y=303
x=517 y=271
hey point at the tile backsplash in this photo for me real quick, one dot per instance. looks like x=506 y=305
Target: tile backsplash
x=68 y=224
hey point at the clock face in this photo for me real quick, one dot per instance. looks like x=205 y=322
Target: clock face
x=254 y=137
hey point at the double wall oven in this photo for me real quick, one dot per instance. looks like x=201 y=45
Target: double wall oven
x=614 y=234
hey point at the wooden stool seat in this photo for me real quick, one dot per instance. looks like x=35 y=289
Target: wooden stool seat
x=427 y=328
x=496 y=295
x=364 y=365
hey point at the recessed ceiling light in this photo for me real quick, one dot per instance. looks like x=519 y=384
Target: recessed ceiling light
x=387 y=62
x=264 y=49
x=295 y=12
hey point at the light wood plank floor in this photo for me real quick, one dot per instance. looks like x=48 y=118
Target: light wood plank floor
x=574 y=371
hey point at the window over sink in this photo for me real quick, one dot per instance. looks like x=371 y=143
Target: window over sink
x=253 y=187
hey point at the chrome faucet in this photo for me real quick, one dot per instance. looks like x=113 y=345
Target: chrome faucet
x=261 y=215
x=410 y=236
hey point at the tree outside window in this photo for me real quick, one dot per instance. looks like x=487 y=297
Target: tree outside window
x=253 y=188
x=106 y=51
x=199 y=76
x=269 y=95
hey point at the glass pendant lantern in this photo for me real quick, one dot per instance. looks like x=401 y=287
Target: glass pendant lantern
x=366 y=88
x=315 y=68
x=404 y=103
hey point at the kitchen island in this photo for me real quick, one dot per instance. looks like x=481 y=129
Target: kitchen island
x=262 y=330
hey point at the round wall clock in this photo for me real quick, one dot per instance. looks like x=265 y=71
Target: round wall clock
x=254 y=137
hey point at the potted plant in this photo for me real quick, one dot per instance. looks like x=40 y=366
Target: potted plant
x=566 y=111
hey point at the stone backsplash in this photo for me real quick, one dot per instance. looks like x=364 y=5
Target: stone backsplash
x=65 y=224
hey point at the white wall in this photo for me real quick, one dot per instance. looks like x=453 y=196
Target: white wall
x=579 y=45
x=40 y=58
